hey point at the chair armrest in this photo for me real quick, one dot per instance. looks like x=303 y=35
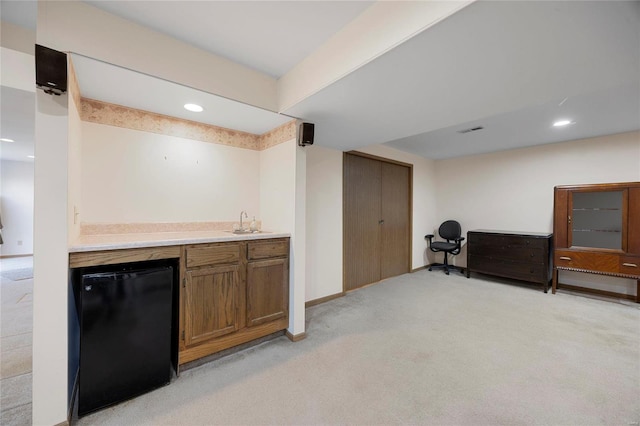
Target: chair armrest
x=429 y=236
x=459 y=239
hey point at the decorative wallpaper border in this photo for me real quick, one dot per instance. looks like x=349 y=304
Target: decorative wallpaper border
x=74 y=87
x=280 y=134
x=130 y=118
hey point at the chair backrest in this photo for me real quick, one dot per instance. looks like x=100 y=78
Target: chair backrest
x=450 y=230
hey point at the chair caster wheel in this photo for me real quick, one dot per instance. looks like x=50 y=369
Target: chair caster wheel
x=447 y=272
x=429 y=268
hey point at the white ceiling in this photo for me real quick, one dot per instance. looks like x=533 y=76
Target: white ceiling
x=511 y=67
x=268 y=36
x=489 y=61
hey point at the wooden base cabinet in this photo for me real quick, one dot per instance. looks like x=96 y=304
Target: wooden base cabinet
x=233 y=293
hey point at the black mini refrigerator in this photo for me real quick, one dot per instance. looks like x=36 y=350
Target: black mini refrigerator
x=126 y=316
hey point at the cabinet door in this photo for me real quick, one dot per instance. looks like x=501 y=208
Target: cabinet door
x=394 y=212
x=267 y=291
x=597 y=219
x=211 y=297
x=362 y=180
x=633 y=233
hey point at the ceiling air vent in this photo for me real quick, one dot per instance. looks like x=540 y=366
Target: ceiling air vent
x=472 y=129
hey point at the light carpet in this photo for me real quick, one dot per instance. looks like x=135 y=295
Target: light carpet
x=16 y=319
x=423 y=348
x=18 y=274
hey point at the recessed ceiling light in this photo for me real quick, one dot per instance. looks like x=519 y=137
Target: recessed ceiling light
x=561 y=123
x=193 y=107
x=31 y=156
x=6 y=140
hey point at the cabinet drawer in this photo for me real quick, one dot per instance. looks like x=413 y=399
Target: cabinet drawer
x=524 y=254
x=513 y=241
x=511 y=269
x=630 y=265
x=267 y=249
x=212 y=254
x=603 y=262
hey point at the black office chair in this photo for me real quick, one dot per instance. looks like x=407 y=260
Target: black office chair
x=450 y=231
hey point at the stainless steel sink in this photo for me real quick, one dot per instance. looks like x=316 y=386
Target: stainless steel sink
x=247 y=231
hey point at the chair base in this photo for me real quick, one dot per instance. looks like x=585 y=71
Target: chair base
x=446 y=267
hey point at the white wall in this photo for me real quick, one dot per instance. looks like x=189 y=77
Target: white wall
x=424 y=198
x=513 y=190
x=133 y=176
x=16 y=207
x=282 y=186
x=324 y=222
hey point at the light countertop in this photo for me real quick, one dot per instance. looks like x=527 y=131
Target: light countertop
x=157 y=239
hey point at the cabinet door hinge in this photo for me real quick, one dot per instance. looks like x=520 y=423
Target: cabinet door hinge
x=184 y=282
x=182 y=334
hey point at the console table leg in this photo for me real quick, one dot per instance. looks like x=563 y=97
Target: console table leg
x=638 y=292
x=554 y=285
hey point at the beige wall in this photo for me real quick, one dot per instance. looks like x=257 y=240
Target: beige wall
x=16 y=206
x=18 y=38
x=513 y=190
x=132 y=176
x=324 y=214
x=324 y=222
x=281 y=195
x=74 y=180
x=50 y=261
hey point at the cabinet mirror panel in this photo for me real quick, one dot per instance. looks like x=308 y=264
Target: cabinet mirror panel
x=597 y=219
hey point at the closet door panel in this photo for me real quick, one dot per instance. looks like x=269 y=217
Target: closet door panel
x=361 y=217
x=395 y=214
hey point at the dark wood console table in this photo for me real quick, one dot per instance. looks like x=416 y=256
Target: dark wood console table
x=509 y=254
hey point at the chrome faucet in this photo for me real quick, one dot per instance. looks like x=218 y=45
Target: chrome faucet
x=245 y=216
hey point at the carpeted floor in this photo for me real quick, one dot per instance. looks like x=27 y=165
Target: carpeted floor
x=17 y=274
x=423 y=348
x=16 y=323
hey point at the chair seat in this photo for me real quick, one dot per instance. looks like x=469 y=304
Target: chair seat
x=443 y=245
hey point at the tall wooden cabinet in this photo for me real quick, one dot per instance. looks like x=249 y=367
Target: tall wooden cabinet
x=377 y=219
x=597 y=230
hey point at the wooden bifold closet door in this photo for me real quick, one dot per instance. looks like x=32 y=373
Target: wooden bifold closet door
x=377 y=218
